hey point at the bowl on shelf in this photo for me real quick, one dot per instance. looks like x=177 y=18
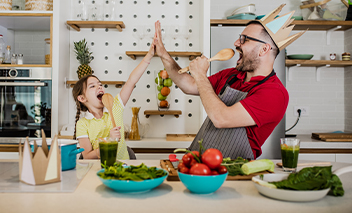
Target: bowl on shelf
x=202 y=184
x=130 y=186
x=300 y=56
x=244 y=16
x=250 y=8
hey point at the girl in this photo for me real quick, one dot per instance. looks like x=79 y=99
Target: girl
x=96 y=123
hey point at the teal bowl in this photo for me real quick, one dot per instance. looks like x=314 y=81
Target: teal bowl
x=202 y=184
x=130 y=186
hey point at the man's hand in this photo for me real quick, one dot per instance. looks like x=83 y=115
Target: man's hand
x=199 y=66
x=115 y=133
x=159 y=46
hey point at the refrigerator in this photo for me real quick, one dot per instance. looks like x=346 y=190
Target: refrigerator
x=225 y=37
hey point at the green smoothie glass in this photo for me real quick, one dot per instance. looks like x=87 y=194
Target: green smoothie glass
x=108 y=150
x=289 y=153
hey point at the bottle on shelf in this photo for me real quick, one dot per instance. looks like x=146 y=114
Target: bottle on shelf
x=2 y=49
x=8 y=55
x=20 y=58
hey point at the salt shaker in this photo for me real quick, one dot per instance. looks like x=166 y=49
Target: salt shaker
x=20 y=59
x=14 y=58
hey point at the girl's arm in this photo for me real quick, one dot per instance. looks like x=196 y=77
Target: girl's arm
x=89 y=152
x=136 y=74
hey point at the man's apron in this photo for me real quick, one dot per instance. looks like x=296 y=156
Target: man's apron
x=232 y=142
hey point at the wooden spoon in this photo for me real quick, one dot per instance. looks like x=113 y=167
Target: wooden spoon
x=108 y=102
x=222 y=55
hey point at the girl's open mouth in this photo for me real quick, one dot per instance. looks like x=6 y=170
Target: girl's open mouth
x=100 y=96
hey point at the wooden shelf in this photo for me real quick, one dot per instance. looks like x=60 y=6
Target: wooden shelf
x=118 y=84
x=299 y=24
x=77 y=25
x=24 y=65
x=176 y=113
x=191 y=55
x=317 y=63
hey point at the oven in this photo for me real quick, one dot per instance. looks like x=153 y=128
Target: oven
x=25 y=103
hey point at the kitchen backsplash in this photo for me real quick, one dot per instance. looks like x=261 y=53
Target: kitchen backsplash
x=32 y=45
x=329 y=100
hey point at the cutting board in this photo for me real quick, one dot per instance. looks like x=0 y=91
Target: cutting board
x=180 y=137
x=167 y=165
x=333 y=137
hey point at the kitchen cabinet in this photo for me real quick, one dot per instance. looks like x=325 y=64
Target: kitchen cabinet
x=12 y=21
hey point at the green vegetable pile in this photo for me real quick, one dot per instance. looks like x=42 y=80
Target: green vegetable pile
x=313 y=178
x=241 y=166
x=234 y=166
x=135 y=173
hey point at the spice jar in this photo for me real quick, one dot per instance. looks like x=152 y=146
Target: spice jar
x=346 y=56
x=47 y=51
x=14 y=59
x=20 y=59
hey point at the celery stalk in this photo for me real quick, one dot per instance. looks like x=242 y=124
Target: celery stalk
x=258 y=166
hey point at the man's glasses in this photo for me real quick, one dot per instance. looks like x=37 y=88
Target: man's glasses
x=243 y=39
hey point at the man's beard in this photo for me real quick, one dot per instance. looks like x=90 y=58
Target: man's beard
x=250 y=62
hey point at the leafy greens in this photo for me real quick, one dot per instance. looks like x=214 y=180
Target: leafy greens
x=135 y=173
x=313 y=178
x=234 y=166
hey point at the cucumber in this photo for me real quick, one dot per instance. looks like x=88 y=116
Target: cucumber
x=258 y=166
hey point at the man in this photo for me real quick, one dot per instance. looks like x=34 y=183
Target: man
x=243 y=104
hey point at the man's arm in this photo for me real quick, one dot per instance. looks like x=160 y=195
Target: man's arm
x=221 y=115
x=184 y=81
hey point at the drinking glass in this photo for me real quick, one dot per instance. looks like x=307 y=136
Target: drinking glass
x=289 y=153
x=84 y=10
x=110 y=10
x=175 y=33
x=139 y=33
x=108 y=150
x=186 y=32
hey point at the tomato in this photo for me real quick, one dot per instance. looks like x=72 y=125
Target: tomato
x=184 y=170
x=180 y=165
x=200 y=169
x=214 y=172
x=192 y=162
x=222 y=169
x=212 y=158
x=186 y=159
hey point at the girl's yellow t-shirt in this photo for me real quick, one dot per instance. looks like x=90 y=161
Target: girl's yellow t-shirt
x=92 y=128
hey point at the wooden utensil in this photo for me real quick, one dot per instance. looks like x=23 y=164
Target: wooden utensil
x=222 y=55
x=108 y=102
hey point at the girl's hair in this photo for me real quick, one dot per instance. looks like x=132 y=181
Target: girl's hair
x=79 y=89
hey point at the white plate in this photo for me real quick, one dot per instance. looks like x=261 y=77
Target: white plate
x=287 y=195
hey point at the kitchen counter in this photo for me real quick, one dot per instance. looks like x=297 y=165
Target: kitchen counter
x=92 y=196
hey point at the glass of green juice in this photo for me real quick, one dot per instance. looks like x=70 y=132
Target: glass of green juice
x=289 y=153
x=108 y=150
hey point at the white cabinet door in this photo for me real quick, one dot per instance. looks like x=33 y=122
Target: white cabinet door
x=9 y=155
x=317 y=157
x=344 y=158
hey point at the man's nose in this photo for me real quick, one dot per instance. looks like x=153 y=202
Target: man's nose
x=237 y=43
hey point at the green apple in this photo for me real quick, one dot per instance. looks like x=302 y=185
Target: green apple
x=159 y=87
x=159 y=81
x=161 y=97
x=168 y=82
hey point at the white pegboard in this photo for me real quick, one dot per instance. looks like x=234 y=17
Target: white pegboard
x=113 y=44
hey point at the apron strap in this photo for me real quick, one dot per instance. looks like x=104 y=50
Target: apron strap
x=233 y=78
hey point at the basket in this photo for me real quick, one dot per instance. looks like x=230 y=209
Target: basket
x=5 y=4
x=323 y=10
x=41 y=5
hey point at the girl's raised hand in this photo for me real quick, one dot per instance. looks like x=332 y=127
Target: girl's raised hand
x=115 y=133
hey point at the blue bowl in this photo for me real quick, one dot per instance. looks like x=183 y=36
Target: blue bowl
x=202 y=184
x=128 y=186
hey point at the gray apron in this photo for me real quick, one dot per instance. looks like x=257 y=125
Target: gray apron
x=232 y=142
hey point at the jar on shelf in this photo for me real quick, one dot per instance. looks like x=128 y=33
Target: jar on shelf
x=8 y=55
x=2 y=50
x=20 y=58
x=14 y=58
x=47 y=51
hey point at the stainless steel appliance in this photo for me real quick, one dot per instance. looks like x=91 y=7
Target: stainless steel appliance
x=25 y=103
x=225 y=37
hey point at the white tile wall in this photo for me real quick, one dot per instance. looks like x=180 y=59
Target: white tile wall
x=32 y=45
x=325 y=98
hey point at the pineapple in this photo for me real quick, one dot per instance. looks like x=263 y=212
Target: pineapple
x=84 y=57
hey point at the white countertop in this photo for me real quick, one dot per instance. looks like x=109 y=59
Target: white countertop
x=171 y=196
